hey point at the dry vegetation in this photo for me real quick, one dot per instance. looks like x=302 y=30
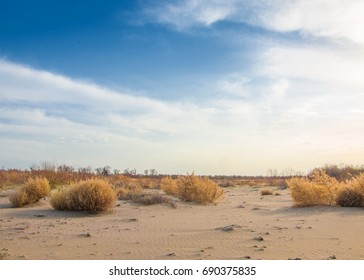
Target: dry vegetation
x=33 y=190
x=137 y=193
x=127 y=193
x=56 y=175
x=92 y=195
x=152 y=198
x=329 y=185
x=321 y=189
x=349 y=198
x=192 y=188
x=266 y=192
x=169 y=186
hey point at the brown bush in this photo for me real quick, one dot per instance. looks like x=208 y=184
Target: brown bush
x=141 y=196
x=226 y=183
x=121 y=181
x=266 y=192
x=126 y=193
x=60 y=199
x=357 y=183
x=349 y=198
x=169 y=186
x=320 y=190
x=13 y=177
x=19 y=198
x=152 y=198
x=92 y=195
x=33 y=190
x=149 y=183
x=342 y=172
x=192 y=188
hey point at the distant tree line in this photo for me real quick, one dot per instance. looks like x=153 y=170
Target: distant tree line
x=339 y=172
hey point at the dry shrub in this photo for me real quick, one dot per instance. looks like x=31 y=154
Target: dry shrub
x=19 y=198
x=149 y=183
x=126 y=193
x=266 y=192
x=62 y=176
x=169 y=186
x=342 y=172
x=349 y=198
x=192 y=188
x=92 y=195
x=60 y=199
x=138 y=195
x=33 y=190
x=321 y=189
x=152 y=198
x=121 y=181
x=226 y=183
x=13 y=177
x=357 y=183
x=122 y=193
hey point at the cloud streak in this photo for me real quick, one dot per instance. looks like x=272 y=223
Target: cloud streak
x=336 y=19
x=59 y=113
x=82 y=123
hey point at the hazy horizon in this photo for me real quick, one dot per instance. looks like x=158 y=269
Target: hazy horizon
x=216 y=87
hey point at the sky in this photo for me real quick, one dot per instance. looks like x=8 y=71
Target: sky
x=230 y=87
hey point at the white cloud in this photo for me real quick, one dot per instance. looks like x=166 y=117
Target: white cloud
x=64 y=116
x=183 y=14
x=278 y=91
x=79 y=123
x=317 y=64
x=234 y=84
x=333 y=19
x=337 y=19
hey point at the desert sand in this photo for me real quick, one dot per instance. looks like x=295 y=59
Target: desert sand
x=242 y=225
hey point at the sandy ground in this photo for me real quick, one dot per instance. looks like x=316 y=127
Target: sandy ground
x=243 y=225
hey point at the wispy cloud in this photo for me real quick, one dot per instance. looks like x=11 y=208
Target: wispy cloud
x=63 y=114
x=325 y=64
x=336 y=19
x=184 y=14
x=100 y=126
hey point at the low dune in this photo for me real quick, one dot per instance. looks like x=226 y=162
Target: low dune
x=244 y=224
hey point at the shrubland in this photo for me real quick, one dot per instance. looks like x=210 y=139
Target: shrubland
x=32 y=191
x=321 y=189
x=91 y=195
x=329 y=185
x=192 y=188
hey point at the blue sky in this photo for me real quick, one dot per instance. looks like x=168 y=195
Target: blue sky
x=215 y=87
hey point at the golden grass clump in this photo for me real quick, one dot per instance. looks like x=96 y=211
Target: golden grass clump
x=266 y=192
x=152 y=198
x=127 y=192
x=357 y=183
x=193 y=188
x=139 y=195
x=349 y=198
x=149 y=183
x=169 y=186
x=33 y=190
x=121 y=181
x=321 y=189
x=92 y=195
